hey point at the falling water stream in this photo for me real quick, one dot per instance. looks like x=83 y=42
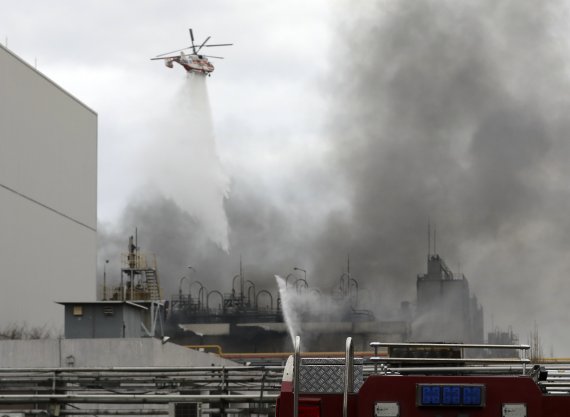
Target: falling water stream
x=183 y=162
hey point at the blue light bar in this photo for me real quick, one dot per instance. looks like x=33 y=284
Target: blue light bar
x=472 y=395
x=450 y=395
x=431 y=395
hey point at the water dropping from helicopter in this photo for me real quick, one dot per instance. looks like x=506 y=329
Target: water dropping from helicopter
x=186 y=167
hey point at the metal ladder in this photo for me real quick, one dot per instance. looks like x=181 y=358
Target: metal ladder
x=151 y=279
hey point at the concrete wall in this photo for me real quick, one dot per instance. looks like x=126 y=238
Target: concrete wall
x=48 y=195
x=101 y=353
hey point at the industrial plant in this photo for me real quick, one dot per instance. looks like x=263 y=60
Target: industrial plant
x=134 y=350
x=244 y=320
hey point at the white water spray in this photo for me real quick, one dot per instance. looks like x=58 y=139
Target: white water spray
x=289 y=314
x=183 y=163
x=304 y=307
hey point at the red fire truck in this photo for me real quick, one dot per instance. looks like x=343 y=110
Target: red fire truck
x=450 y=386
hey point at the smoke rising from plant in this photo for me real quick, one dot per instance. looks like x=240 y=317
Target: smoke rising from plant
x=457 y=111
x=454 y=111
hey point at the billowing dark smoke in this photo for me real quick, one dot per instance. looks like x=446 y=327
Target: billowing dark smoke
x=261 y=236
x=458 y=111
x=453 y=111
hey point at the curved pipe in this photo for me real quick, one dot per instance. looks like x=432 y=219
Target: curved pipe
x=302 y=270
x=252 y=285
x=197 y=282
x=316 y=291
x=180 y=287
x=287 y=279
x=200 y=292
x=264 y=292
x=297 y=284
x=234 y=283
x=208 y=298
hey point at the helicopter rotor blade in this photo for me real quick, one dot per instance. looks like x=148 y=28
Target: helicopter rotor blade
x=219 y=44
x=203 y=43
x=192 y=39
x=171 y=52
x=211 y=56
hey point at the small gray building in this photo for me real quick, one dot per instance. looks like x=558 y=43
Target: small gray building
x=112 y=319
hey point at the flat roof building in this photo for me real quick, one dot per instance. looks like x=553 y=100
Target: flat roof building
x=48 y=195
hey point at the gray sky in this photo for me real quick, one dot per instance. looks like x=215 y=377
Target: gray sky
x=344 y=127
x=264 y=94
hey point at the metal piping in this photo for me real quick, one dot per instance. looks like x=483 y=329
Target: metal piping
x=447 y=369
x=107 y=412
x=457 y=345
x=270 y=298
x=185 y=369
x=133 y=398
x=450 y=360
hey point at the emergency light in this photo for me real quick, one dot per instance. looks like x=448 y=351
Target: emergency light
x=471 y=395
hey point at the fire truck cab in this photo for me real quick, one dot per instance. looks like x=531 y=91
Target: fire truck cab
x=385 y=386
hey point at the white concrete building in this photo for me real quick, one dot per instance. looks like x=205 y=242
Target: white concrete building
x=48 y=196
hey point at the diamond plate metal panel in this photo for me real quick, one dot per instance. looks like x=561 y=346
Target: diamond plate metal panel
x=326 y=375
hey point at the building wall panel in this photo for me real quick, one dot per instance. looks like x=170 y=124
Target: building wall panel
x=48 y=146
x=48 y=197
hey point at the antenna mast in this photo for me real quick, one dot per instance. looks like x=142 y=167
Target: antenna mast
x=429 y=239
x=241 y=283
x=434 y=239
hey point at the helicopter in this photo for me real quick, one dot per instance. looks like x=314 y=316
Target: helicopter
x=193 y=62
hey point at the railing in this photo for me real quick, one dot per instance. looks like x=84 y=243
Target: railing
x=517 y=363
x=553 y=378
x=137 y=261
x=247 y=389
